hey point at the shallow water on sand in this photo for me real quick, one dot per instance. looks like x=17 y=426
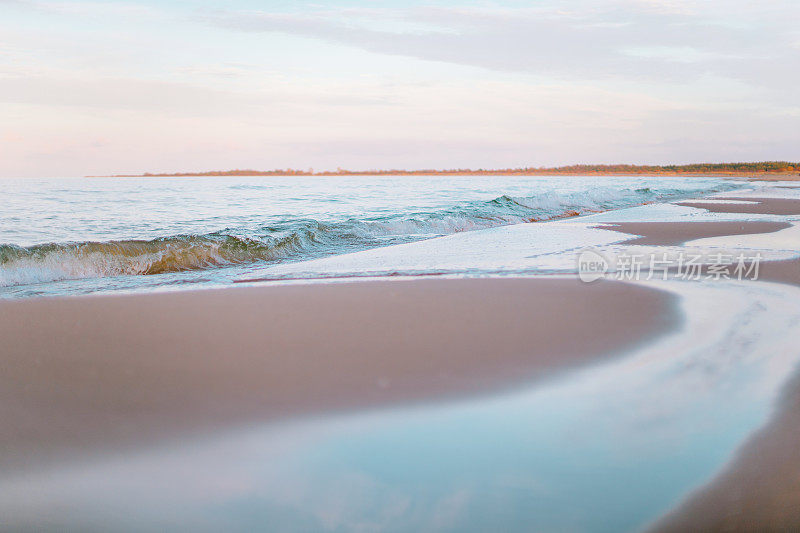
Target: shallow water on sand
x=607 y=448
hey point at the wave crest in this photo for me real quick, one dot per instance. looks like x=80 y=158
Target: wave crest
x=299 y=238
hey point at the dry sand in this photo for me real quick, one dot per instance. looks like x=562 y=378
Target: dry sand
x=83 y=375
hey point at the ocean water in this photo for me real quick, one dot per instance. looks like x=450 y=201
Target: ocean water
x=73 y=236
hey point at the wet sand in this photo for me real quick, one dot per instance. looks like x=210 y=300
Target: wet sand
x=88 y=375
x=676 y=233
x=781 y=271
x=760 y=488
x=760 y=206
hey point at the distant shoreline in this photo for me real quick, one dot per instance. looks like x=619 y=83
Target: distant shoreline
x=759 y=170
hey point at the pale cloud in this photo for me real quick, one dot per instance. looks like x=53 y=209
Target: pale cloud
x=88 y=9
x=678 y=54
x=161 y=98
x=588 y=43
x=169 y=87
x=671 y=7
x=487 y=124
x=227 y=70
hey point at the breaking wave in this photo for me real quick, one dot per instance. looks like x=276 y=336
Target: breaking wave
x=300 y=238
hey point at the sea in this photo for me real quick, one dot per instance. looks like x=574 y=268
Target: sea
x=61 y=236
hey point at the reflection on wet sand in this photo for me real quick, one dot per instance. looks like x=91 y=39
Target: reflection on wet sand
x=608 y=448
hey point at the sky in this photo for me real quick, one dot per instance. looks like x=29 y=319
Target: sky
x=95 y=88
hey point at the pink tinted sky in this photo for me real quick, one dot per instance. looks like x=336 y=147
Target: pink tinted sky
x=129 y=87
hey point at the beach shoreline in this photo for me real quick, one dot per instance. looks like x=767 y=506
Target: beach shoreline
x=105 y=375
x=115 y=371
x=759 y=488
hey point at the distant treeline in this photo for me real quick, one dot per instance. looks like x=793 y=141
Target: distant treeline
x=763 y=167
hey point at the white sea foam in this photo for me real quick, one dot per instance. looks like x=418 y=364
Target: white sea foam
x=286 y=238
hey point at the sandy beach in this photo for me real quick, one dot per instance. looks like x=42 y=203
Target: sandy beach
x=674 y=233
x=99 y=374
x=104 y=376
x=754 y=205
x=759 y=490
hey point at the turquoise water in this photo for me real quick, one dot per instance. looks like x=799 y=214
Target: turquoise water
x=66 y=236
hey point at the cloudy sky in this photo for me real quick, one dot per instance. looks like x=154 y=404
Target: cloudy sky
x=178 y=85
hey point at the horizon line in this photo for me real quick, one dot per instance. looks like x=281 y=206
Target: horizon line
x=736 y=168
